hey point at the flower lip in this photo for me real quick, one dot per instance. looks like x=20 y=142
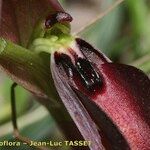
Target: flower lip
x=58 y=17
x=91 y=78
x=81 y=73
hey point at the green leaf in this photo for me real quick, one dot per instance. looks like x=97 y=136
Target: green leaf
x=28 y=69
x=103 y=32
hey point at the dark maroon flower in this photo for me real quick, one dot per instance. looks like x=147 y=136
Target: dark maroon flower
x=116 y=96
x=109 y=102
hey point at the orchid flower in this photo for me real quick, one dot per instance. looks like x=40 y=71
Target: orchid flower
x=108 y=102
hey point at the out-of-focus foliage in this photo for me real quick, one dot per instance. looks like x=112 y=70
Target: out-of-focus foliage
x=22 y=99
x=123 y=34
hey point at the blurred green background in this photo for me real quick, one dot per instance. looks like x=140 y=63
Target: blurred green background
x=123 y=35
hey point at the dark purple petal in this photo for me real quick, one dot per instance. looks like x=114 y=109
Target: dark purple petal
x=75 y=108
x=93 y=55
